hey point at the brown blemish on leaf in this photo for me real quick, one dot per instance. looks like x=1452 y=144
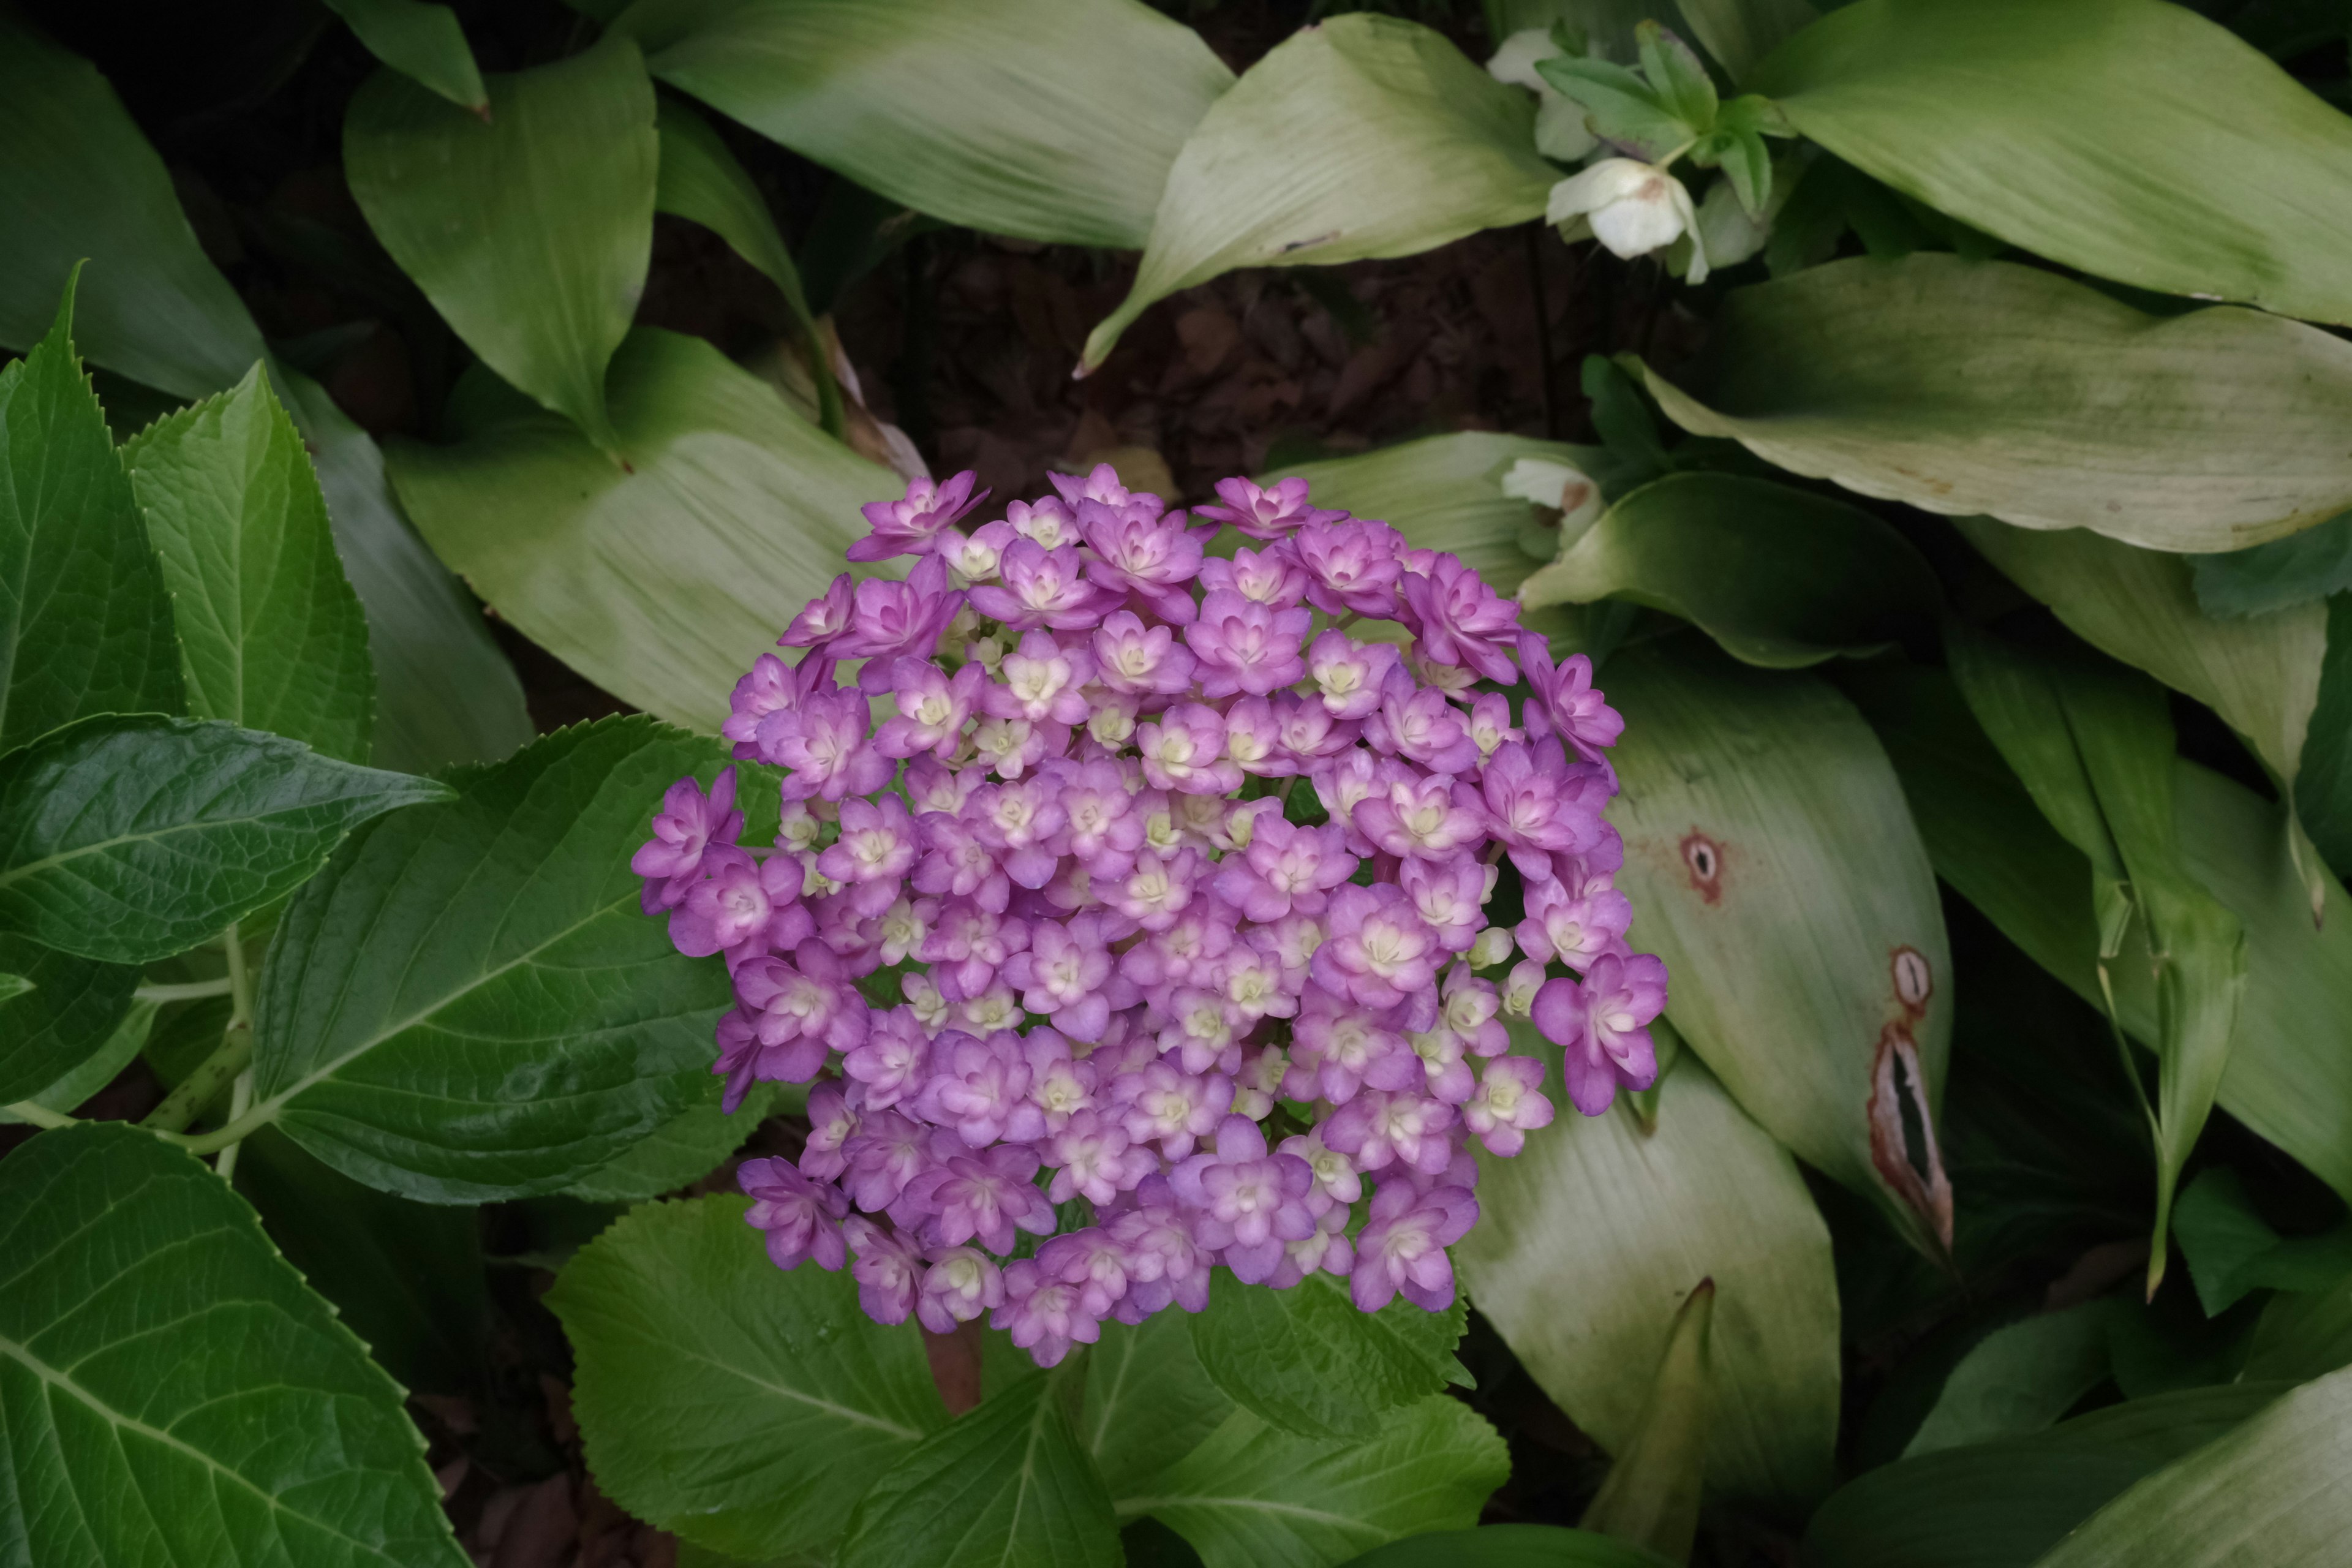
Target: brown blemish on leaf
x=1915 y=1176
x=1915 y=981
x=1703 y=858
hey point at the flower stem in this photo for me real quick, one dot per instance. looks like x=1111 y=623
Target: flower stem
x=218 y=1070
x=185 y=991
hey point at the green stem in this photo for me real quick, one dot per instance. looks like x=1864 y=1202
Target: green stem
x=240 y=1101
x=185 y=991
x=40 y=1115
x=217 y=1071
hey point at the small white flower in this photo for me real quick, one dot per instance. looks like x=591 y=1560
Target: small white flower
x=1630 y=206
x=1563 y=487
x=1561 y=134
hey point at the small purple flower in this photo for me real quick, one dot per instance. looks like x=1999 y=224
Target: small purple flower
x=908 y=526
x=1381 y=1127
x=1043 y=587
x=932 y=708
x=1403 y=1248
x=1186 y=750
x=1067 y=974
x=976 y=1087
x=821 y=620
x=1277 y=509
x=1101 y=483
x=1309 y=733
x=959 y=865
x=1574 y=925
x=1132 y=657
x=1101 y=825
x=1566 y=701
x=1418 y=723
x=887 y=1153
x=1350 y=675
x=1148 y=555
x=1271 y=577
x=1041 y=682
x=1243 y=646
x=1510 y=1104
x=1461 y=620
x=876 y=842
x=1048 y=522
x=809 y=1004
x=893 y=619
x=974 y=555
x=1602 y=1026
x=1286 y=868
x=822 y=745
x=1043 y=1315
x=1157 y=890
x=960 y=1284
x=1249 y=1201
x=1428 y=818
x=1171 y=1107
x=742 y=907
x=889 y=1062
x=688 y=824
x=1450 y=896
x=888 y=1270
x=1095 y=1159
x=983 y=1195
x=1541 y=806
x=1377 y=949
x=968 y=943
x=802 y=1217
x=1350 y=566
x=1091 y=1260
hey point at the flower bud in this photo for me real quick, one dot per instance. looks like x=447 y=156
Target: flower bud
x=1493 y=946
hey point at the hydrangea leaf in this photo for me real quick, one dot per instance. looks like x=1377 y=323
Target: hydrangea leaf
x=1307 y=1361
x=910 y=97
x=1255 y=1496
x=1148 y=1403
x=92 y=1069
x=422 y=42
x=85 y=623
x=129 y=840
x=662 y=583
x=689 y=1146
x=1779 y=577
x=1361 y=136
x=271 y=636
x=468 y=1004
x=1509 y=1546
x=1774 y=866
x=1989 y=386
x=568 y=159
x=1005 y=1482
x=73 y=1005
x=78 y=181
x=174 y=1392
x=1706 y=1195
x=743 y=1407
x=2033 y=123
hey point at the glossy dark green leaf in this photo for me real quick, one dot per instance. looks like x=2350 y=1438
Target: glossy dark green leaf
x=77 y=181
x=129 y=840
x=1509 y=1546
x=85 y=623
x=1007 y=1482
x=1739 y=33
x=1779 y=577
x=1255 y=1496
x=2034 y=122
x=96 y=1067
x=689 y=1146
x=420 y=41
x=73 y=1007
x=173 y=1392
x=1651 y=1494
x=568 y=160
x=2021 y=1378
x=909 y=98
x=1990 y=386
x=743 y=1407
x=1307 y=1361
x=2303 y=1334
x=2230 y=1250
x=1149 y=1400
x=271 y=636
x=468 y=1003
x=2285 y=571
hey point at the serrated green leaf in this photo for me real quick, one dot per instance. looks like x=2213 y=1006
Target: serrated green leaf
x=422 y=42
x=1004 y=1483
x=85 y=623
x=271 y=636
x=689 y=1146
x=468 y=1003
x=662 y=584
x=1619 y=105
x=1989 y=386
x=1775 y=869
x=743 y=1407
x=1509 y=1546
x=1740 y=33
x=2019 y=1379
x=129 y=840
x=1307 y=1361
x=174 y=1394
x=1651 y=1494
x=1674 y=72
x=1706 y=1195
x=568 y=159
x=1779 y=577
x=2285 y=572
x=1149 y=1401
x=1254 y=1496
x=1361 y=136
x=77 y=181
x=95 y=1067
x=73 y=1007
x=2034 y=122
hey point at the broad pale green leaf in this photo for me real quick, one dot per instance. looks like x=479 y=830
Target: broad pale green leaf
x=1651 y=1492
x=420 y=41
x=85 y=623
x=743 y=1407
x=1360 y=136
x=2041 y=123
x=129 y=840
x=174 y=1394
x=1989 y=386
x=1590 y=1240
x=686 y=1148
x=1149 y=1401
x=2285 y=571
x=406 y=1278
x=567 y=160
x=97 y=1068
x=1739 y=33
x=1005 y=1483
x=444 y=692
x=73 y=1007
x=2322 y=783
x=1509 y=1546
x=1255 y=1496
x=2019 y=1379
x=916 y=98
x=468 y=1004
x=77 y=181
x=661 y=584
x=1307 y=1361
x=1779 y=577
x=271 y=636
x=1772 y=863
x=2270 y=1493
x=2001 y=1505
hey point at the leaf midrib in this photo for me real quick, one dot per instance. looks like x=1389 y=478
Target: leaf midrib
x=208 y=825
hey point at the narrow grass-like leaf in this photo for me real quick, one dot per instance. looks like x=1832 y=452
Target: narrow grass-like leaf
x=568 y=160
x=468 y=1004
x=71 y=1006
x=1149 y=1401
x=1307 y=1361
x=2038 y=123
x=1361 y=136
x=1651 y=1495
x=174 y=1392
x=741 y=1406
x=271 y=636
x=661 y=584
x=420 y=41
x=1779 y=577
x=129 y=840
x=1989 y=386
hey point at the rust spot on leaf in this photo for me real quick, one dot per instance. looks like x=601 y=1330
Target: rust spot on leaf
x=1915 y=981
x=1703 y=858
x=1903 y=1133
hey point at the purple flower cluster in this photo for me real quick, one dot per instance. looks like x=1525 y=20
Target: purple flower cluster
x=1182 y=890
